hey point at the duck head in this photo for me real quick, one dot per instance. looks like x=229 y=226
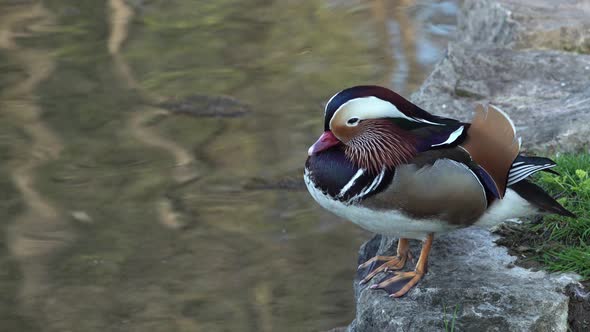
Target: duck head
x=373 y=125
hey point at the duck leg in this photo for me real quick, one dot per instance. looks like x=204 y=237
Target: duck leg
x=402 y=282
x=391 y=262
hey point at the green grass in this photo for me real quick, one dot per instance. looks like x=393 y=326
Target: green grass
x=449 y=325
x=564 y=243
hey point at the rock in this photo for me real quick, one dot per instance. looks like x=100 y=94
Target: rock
x=525 y=24
x=546 y=93
x=501 y=57
x=472 y=276
x=579 y=307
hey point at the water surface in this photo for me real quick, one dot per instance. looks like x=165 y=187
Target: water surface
x=152 y=151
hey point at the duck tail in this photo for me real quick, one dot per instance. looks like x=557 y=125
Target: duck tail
x=540 y=199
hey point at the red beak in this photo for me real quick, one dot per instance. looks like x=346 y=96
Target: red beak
x=325 y=141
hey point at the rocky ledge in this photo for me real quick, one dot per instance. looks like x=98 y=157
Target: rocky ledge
x=471 y=279
x=528 y=58
x=525 y=57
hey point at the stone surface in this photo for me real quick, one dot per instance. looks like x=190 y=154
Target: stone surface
x=546 y=93
x=524 y=24
x=472 y=276
x=579 y=307
x=527 y=58
x=512 y=53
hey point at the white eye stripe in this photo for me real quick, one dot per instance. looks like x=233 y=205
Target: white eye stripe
x=372 y=107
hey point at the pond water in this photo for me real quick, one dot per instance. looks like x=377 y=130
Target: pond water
x=152 y=151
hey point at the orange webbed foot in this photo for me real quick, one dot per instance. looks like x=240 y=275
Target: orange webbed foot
x=401 y=282
x=392 y=263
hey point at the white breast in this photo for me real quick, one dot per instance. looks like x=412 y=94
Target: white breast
x=395 y=223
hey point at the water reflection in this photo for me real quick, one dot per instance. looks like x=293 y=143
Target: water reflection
x=121 y=213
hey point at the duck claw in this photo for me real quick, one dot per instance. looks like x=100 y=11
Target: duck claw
x=399 y=284
x=391 y=263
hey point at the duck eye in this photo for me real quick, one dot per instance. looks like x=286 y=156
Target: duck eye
x=352 y=121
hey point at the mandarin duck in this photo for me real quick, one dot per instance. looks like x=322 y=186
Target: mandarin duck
x=394 y=169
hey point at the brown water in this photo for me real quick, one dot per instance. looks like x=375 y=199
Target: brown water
x=120 y=213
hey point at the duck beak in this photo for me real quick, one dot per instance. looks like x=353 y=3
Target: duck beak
x=325 y=141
